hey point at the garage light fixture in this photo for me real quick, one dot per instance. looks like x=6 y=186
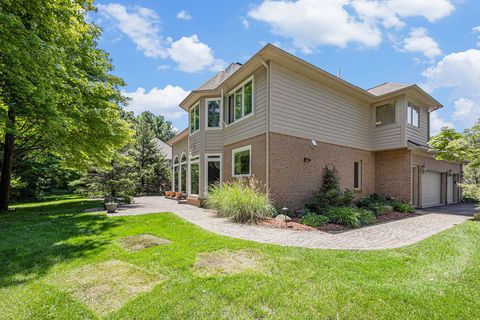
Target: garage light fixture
x=450 y=173
x=424 y=169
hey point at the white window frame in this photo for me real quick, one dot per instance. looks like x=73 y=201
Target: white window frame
x=394 y=103
x=235 y=120
x=410 y=108
x=193 y=160
x=180 y=172
x=220 y=158
x=235 y=151
x=174 y=183
x=360 y=169
x=206 y=114
x=196 y=105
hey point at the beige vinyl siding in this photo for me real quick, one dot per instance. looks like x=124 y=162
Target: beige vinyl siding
x=255 y=124
x=179 y=148
x=390 y=136
x=419 y=135
x=304 y=108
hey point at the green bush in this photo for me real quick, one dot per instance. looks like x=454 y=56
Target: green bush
x=330 y=194
x=470 y=192
x=314 y=220
x=476 y=216
x=127 y=199
x=241 y=200
x=366 y=217
x=346 y=216
x=403 y=207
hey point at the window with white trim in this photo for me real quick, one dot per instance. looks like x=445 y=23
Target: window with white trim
x=214 y=170
x=241 y=162
x=175 y=174
x=385 y=114
x=183 y=174
x=194 y=176
x=357 y=175
x=239 y=102
x=213 y=114
x=195 y=118
x=413 y=115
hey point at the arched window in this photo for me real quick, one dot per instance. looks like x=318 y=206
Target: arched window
x=175 y=161
x=175 y=174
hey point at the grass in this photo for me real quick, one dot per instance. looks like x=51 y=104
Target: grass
x=140 y=242
x=45 y=246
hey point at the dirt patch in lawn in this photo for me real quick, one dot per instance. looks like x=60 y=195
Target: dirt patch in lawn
x=105 y=287
x=228 y=262
x=141 y=241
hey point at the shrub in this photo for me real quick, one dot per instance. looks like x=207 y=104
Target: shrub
x=476 y=216
x=347 y=216
x=241 y=200
x=365 y=217
x=330 y=194
x=470 y=192
x=127 y=199
x=375 y=204
x=314 y=220
x=403 y=207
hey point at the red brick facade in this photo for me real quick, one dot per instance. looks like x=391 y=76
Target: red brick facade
x=393 y=174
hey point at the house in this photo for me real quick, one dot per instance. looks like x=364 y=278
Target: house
x=283 y=120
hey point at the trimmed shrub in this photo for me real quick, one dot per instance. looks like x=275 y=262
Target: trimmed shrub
x=403 y=207
x=476 y=216
x=471 y=193
x=347 y=216
x=241 y=200
x=314 y=220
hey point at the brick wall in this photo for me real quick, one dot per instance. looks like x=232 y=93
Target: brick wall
x=258 y=152
x=393 y=174
x=293 y=181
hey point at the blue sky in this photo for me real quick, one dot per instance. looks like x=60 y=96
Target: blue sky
x=164 y=49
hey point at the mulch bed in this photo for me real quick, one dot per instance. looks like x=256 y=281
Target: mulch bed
x=330 y=227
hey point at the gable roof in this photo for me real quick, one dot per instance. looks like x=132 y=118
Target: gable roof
x=387 y=87
x=219 y=78
x=164 y=148
x=178 y=137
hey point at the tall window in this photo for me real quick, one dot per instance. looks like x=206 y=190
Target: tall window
x=385 y=114
x=175 y=174
x=214 y=167
x=194 y=176
x=241 y=162
x=183 y=174
x=413 y=113
x=195 y=118
x=357 y=175
x=240 y=102
x=213 y=113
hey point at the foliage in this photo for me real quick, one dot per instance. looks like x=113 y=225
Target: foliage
x=330 y=194
x=57 y=86
x=366 y=217
x=241 y=200
x=470 y=192
x=403 y=207
x=314 y=220
x=350 y=217
x=127 y=199
x=476 y=216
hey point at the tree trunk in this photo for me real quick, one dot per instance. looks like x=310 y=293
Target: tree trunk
x=6 y=175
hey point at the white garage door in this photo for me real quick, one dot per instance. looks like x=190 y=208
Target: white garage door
x=431 y=189
x=450 y=189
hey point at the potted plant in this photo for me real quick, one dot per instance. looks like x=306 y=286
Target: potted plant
x=111 y=207
x=167 y=193
x=178 y=195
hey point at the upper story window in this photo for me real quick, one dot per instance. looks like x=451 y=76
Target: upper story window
x=413 y=113
x=240 y=102
x=213 y=113
x=195 y=118
x=385 y=114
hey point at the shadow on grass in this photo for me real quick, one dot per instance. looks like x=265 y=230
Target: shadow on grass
x=38 y=236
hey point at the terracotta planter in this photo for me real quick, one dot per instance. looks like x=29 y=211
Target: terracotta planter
x=111 y=207
x=178 y=195
x=168 y=193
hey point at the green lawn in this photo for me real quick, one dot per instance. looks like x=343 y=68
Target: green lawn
x=46 y=248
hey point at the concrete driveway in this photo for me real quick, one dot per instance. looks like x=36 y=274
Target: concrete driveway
x=465 y=209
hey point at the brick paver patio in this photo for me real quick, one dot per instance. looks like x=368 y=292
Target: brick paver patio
x=382 y=236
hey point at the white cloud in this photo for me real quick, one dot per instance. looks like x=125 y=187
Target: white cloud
x=184 y=15
x=466 y=111
x=245 y=23
x=162 y=101
x=437 y=123
x=477 y=29
x=141 y=25
x=419 y=41
x=312 y=23
x=459 y=71
x=193 y=55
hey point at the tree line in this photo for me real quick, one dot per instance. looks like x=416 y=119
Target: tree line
x=61 y=109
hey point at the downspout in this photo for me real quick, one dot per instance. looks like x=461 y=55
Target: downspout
x=267 y=133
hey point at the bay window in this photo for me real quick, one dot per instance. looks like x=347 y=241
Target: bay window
x=213 y=113
x=385 y=114
x=195 y=118
x=194 y=176
x=413 y=113
x=240 y=102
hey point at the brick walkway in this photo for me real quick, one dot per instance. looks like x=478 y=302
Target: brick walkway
x=382 y=236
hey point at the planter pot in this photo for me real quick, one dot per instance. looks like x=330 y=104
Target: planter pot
x=111 y=207
x=178 y=195
x=167 y=193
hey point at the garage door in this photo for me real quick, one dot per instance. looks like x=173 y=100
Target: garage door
x=431 y=189
x=450 y=189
